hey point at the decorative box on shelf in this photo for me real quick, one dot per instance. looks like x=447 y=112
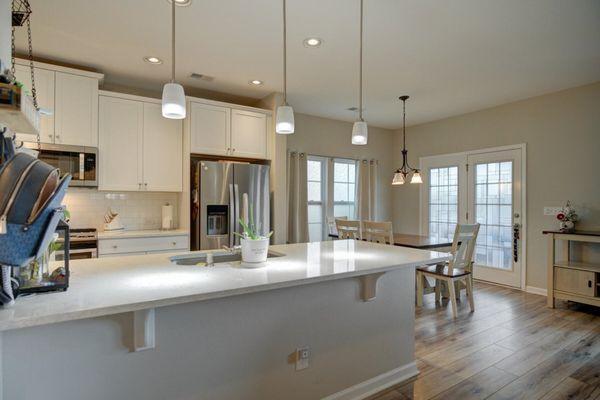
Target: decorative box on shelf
x=17 y=110
x=569 y=279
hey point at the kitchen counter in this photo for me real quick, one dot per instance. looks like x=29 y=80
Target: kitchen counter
x=120 y=284
x=156 y=330
x=122 y=234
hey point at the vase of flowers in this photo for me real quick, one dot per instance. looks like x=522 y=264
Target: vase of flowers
x=255 y=247
x=567 y=218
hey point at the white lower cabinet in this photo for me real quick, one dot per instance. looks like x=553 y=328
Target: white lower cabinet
x=139 y=149
x=141 y=245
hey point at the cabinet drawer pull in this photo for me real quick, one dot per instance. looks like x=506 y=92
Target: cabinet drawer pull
x=174 y=243
x=589 y=284
x=114 y=246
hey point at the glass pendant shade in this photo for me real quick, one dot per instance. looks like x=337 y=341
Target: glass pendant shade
x=360 y=133
x=284 y=120
x=416 y=178
x=398 y=178
x=173 y=101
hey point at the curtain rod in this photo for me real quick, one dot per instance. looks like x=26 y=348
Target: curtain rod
x=332 y=157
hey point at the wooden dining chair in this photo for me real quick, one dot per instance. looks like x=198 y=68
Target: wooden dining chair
x=331 y=227
x=378 y=232
x=458 y=269
x=348 y=229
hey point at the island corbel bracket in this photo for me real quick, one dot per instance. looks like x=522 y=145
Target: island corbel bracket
x=144 y=330
x=368 y=286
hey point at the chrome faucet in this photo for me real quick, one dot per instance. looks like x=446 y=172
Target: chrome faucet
x=233 y=249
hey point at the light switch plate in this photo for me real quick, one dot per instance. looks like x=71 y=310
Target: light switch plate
x=302 y=355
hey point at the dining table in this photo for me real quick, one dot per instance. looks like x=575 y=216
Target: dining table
x=422 y=242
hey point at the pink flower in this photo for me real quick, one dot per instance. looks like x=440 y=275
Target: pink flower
x=560 y=216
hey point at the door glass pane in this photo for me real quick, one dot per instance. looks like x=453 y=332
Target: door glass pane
x=443 y=202
x=494 y=210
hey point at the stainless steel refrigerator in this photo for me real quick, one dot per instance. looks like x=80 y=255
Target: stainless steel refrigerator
x=219 y=190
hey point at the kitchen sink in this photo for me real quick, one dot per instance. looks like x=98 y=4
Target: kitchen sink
x=199 y=258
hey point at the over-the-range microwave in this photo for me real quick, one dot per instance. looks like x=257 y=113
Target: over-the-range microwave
x=79 y=161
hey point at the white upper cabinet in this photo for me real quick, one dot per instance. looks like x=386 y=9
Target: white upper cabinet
x=163 y=151
x=76 y=115
x=120 y=137
x=210 y=127
x=44 y=85
x=248 y=134
x=139 y=149
x=220 y=130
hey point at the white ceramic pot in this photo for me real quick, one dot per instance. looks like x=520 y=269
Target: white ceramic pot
x=254 y=251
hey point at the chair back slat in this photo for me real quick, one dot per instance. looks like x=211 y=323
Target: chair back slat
x=378 y=232
x=331 y=226
x=463 y=246
x=348 y=229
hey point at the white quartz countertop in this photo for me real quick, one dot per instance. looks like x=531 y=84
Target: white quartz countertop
x=122 y=234
x=114 y=285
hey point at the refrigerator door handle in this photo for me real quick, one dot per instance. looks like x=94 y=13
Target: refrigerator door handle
x=232 y=227
x=237 y=208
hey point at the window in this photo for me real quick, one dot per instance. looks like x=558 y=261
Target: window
x=443 y=202
x=331 y=193
x=316 y=198
x=344 y=188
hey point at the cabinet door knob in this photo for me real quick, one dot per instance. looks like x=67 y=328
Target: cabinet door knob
x=146 y=186
x=114 y=246
x=174 y=243
x=139 y=186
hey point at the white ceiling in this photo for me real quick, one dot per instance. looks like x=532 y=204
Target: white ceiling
x=451 y=57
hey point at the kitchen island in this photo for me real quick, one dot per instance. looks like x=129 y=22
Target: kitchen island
x=142 y=327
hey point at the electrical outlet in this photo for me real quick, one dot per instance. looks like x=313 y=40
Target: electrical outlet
x=302 y=355
x=552 y=210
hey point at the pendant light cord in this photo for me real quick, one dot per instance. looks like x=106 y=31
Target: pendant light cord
x=173 y=40
x=404 y=124
x=360 y=67
x=284 y=54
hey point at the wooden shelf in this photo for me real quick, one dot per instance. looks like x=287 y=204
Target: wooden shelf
x=583 y=266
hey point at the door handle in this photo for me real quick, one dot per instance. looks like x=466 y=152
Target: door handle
x=231 y=217
x=237 y=208
x=516 y=237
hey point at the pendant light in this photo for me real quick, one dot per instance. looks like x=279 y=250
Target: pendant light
x=360 y=132
x=401 y=174
x=173 y=96
x=284 y=120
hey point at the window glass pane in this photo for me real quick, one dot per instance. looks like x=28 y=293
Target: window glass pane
x=481 y=195
x=493 y=193
x=315 y=232
x=351 y=192
x=506 y=193
x=493 y=172
x=506 y=171
x=506 y=215
x=315 y=213
x=443 y=202
x=493 y=215
x=481 y=174
x=341 y=210
x=314 y=191
x=433 y=177
x=314 y=170
x=340 y=172
x=352 y=173
x=340 y=192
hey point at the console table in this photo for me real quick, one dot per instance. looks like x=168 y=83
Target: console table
x=572 y=280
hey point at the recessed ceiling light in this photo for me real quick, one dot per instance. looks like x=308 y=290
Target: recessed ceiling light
x=153 y=60
x=181 y=3
x=313 y=42
x=256 y=82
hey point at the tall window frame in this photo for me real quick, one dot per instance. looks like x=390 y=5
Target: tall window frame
x=317 y=198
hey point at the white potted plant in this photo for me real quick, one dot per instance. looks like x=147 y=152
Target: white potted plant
x=255 y=247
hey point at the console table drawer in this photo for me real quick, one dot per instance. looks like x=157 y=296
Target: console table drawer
x=575 y=281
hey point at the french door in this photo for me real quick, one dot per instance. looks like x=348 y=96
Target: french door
x=482 y=187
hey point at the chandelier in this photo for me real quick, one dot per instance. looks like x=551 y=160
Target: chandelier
x=402 y=173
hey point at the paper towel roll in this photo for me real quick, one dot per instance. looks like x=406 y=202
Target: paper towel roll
x=167 y=216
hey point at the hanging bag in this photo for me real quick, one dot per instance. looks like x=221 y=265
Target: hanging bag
x=30 y=208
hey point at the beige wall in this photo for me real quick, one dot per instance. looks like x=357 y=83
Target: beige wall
x=322 y=136
x=562 y=133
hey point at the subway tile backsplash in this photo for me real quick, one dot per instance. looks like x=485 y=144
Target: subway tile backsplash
x=138 y=210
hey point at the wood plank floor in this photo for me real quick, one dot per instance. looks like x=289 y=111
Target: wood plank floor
x=511 y=347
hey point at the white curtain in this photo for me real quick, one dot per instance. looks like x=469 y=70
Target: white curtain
x=366 y=190
x=297 y=198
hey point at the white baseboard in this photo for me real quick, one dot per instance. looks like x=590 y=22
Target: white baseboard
x=376 y=384
x=536 y=290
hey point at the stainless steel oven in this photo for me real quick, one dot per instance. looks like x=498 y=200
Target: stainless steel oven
x=79 y=161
